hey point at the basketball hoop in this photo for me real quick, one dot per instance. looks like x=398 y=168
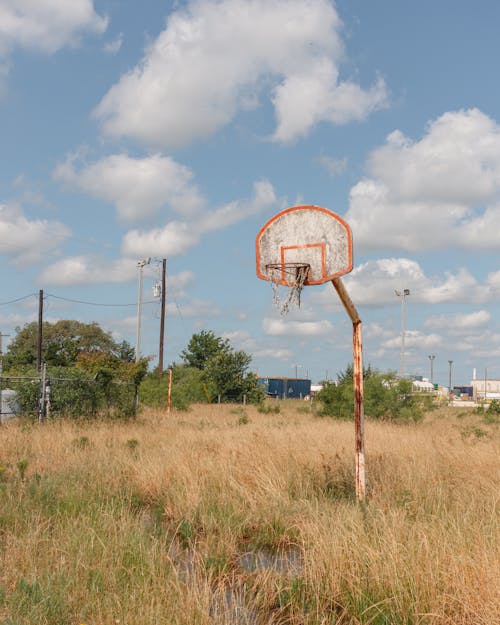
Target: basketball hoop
x=295 y=275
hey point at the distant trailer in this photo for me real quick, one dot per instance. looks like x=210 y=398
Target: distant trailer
x=286 y=388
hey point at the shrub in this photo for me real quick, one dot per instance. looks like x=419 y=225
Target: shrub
x=385 y=397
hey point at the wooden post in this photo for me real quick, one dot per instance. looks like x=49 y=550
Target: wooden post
x=162 y=319
x=169 y=390
x=357 y=348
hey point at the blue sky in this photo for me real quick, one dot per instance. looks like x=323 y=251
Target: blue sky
x=177 y=129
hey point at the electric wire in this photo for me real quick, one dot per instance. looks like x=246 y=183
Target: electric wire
x=19 y=299
x=79 y=301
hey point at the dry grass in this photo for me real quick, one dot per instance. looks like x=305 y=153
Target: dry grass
x=145 y=522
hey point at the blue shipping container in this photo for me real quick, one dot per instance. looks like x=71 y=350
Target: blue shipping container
x=286 y=388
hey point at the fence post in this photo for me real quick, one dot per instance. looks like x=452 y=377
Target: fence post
x=41 y=407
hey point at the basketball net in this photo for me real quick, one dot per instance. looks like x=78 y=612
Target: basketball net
x=296 y=274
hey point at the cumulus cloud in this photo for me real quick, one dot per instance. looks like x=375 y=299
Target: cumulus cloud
x=415 y=338
x=46 y=25
x=442 y=190
x=88 y=270
x=26 y=240
x=176 y=237
x=282 y=327
x=460 y=322
x=138 y=187
x=373 y=284
x=188 y=84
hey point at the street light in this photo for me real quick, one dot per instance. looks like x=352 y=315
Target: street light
x=450 y=362
x=431 y=358
x=140 y=265
x=403 y=295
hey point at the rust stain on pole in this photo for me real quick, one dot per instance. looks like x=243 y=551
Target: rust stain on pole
x=357 y=348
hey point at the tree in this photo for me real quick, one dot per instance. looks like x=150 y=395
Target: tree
x=385 y=397
x=227 y=375
x=62 y=343
x=202 y=347
x=223 y=371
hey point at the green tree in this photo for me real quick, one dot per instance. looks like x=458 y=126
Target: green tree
x=202 y=347
x=385 y=397
x=62 y=343
x=227 y=375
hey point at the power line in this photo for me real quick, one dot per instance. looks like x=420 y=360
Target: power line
x=19 y=299
x=79 y=301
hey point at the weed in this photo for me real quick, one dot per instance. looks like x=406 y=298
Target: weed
x=474 y=431
x=132 y=444
x=269 y=408
x=22 y=466
x=243 y=420
x=186 y=532
x=81 y=443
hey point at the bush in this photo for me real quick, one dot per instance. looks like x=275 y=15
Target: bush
x=75 y=394
x=187 y=388
x=385 y=397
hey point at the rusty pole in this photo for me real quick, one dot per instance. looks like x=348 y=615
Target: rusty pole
x=359 y=417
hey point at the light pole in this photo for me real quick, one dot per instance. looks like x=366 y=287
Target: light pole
x=431 y=358
x=140 y=265
x=403 y=295
x=296 y=374
x=450 y=363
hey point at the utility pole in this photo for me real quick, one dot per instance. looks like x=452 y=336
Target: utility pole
x=1 y=372
x=40 y=331
x=140 y=265
x=403 y=294
x=162 y=318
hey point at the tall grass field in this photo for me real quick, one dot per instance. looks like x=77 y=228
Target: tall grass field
x=225 y=515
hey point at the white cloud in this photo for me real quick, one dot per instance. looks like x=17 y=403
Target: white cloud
x=282 y=327
x=460 y=322
x=215 y=58
x=373 y=284
x=114 y=46
x=94 y=269
x=138 y=187
x=443 y=190
x=193 y=308
x=88 y=270
x=273 y=353
x=334 y=166
x=177 y=237
x=46 y=25
x=415 y=338
x=28 y=240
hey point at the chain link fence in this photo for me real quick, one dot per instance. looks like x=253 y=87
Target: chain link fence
x=45 y=396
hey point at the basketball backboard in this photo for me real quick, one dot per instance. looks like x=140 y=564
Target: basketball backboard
x=308 y=238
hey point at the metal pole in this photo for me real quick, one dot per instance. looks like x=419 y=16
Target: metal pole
x=403 y=294
x=485 y=382
x=359 y=417
x=431 y=358
x=140 y=266
x=450 y=362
